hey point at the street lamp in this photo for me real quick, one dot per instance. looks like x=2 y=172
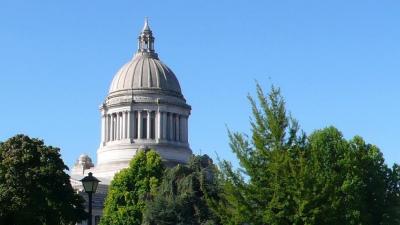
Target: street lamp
x=90 y=185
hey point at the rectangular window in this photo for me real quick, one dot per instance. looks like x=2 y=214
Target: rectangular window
x=144 y=128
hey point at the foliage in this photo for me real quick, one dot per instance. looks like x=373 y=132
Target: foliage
x=255 y=193
x=34 y=189
x=131 y=188
x=286 y=177
x=185 y=194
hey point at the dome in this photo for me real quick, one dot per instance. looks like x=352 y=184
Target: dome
x=145 y=71
x=84 y=161
x=144 y=109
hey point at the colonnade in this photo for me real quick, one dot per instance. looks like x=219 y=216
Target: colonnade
x=144 y=124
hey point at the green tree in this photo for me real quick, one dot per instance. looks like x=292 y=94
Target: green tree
x=345 y=182
x=391 y=214
x=261 y=191
x=287 y=178
x=131 y=188
x=34 y=189
x=185 y=195
x=380 y=198
x=330 y=182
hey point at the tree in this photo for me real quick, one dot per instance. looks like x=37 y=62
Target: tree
x=288 y=178
x=185 y=195
x=260 y=191
x=34 y=189
x=330 y=182
x=346 y=182
x=131 y=188
x=391 y=213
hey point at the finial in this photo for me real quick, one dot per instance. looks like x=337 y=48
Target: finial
x=146 y=24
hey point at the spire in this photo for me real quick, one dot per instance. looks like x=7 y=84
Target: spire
x=146 y=39
x=146 y=25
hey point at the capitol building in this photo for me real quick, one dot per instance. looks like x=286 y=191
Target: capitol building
x=144 y=109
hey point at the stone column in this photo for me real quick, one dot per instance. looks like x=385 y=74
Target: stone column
x=118 y=126
x=183 y=128
x=163 y=125
x=111 y=127
x=129 y=124
x=148 y=124
x=168 y=127
x=139 y=130
x=114 y=126
x=106 y=128
x=171 y=126
x=121 y=129
x=177 y=129
x=124 y=121
x=186 y=129
x=103 y=128
x=158 y=125
x=121 y=125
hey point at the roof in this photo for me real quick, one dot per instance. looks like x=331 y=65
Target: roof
x=145 y=70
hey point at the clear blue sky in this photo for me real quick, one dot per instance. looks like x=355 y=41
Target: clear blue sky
x=337 y=63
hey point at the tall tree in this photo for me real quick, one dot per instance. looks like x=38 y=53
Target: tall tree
x=266 y=165
x=34 y=188
x=288 y=178
x=131 y=188
x=345 y=182
x=185 y=195
x=330 y=184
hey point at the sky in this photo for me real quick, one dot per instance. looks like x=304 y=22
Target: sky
x=336 y=62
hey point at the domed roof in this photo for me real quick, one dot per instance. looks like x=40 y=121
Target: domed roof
x=84 y=161
x=145 y=71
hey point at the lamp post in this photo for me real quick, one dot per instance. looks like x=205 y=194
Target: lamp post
x=90 y=185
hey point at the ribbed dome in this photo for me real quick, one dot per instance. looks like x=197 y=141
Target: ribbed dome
x=145 y=71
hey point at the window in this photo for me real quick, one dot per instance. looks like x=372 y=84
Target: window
x=144 y=127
